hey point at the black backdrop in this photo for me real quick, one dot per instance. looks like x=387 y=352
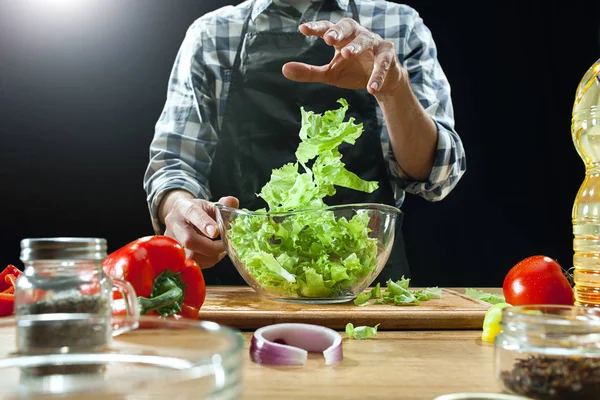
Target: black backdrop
x=82 y=83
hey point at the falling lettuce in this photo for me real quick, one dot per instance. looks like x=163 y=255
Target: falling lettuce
x=313 y=253
x=295 y=186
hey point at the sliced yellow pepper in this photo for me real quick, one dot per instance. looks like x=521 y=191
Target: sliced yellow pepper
x=491 y=322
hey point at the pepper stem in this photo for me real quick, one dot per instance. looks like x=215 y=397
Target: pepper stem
x=166 y=297
x=164 y=300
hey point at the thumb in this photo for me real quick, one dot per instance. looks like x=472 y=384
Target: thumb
x=229 y=201
x=301 y=72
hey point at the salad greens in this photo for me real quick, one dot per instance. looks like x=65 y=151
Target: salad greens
x=484 y=296
x=361 y=332
x=397 y=293
x=321 y=135
x=313 y=253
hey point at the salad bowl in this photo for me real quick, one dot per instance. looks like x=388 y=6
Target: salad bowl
x=324 y=255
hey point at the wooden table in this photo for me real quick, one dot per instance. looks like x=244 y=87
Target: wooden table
x=415 y=364
x=393 y=365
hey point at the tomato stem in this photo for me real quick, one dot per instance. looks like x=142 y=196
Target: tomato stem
x=569 y=275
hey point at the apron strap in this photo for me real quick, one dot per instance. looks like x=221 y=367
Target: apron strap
x=238 y=59
x=312 y=11
x=307 y=16
x=354 y=9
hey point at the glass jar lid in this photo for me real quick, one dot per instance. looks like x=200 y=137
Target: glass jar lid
x=558 y=329
x=63 y=248
x=546 y=317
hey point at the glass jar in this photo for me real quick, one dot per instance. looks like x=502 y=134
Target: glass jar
x=65 y=276
x=549 y=352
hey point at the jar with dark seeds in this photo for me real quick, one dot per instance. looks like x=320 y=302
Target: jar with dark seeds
x=554 y=378
x=53 y=336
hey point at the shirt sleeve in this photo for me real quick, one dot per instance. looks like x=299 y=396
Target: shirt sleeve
x=432 y=89
x=185 y=137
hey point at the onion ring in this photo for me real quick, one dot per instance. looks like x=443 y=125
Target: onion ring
x=290 y=343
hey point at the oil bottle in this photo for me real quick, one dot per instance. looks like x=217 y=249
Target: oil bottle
x=585 y=131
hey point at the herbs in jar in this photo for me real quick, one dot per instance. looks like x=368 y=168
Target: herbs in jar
x=554 y=377
x=41 y=336
x=68 y=323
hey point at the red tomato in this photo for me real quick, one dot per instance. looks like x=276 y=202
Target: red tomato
x=537 y=280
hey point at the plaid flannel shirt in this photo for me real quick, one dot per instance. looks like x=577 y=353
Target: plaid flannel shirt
x=188 y=128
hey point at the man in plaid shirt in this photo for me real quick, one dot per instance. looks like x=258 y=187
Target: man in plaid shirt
x=233 y=112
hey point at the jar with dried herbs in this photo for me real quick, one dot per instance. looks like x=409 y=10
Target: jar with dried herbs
x=549 y=352
x=64 y=276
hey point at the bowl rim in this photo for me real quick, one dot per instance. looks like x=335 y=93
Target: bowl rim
x=480 y=395
x=377 y=206
x=199 y=366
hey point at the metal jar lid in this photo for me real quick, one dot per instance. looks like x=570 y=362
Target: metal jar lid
x=63 y=248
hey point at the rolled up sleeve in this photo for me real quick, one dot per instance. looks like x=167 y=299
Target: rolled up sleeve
x=184 y=140
x=432 y=89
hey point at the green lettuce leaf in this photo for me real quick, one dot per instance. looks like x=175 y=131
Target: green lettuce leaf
x=398 y=293
x=361 y=332
x=376 y=292
x=484 y=296
x=321 y=135
x=362 y=299
x=428 y=293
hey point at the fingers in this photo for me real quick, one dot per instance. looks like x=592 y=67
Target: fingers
x=350 y=40
x=192 y=223
x=205 y=261
x=196 y=213
x=346 y=29
x=362 y=42
x=315 y=28
x=193 y=240
x=229 y=201
x=301 y=72
x=333 y=34
x=384 y=59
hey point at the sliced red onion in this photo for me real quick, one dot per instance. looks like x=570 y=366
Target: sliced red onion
x=289 y=344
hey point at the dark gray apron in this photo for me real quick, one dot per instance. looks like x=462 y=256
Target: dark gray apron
x=260 y=130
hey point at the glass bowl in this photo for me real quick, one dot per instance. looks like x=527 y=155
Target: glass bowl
x=161 y=359
x=327 y=255
x=549 y=352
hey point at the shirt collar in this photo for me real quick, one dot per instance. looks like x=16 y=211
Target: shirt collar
x=262 y=5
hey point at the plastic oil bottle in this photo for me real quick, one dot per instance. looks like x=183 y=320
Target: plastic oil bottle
x=585 y=130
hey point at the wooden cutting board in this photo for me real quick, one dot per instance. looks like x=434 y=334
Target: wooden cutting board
x=243 y=308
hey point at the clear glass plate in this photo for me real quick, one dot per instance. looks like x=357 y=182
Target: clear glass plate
x=162 y=359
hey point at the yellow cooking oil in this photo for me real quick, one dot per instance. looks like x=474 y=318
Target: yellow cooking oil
x=585 y=130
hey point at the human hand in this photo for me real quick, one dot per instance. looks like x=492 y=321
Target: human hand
x=192 y=222
x=362 y=59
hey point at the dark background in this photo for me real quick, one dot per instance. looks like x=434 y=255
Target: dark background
x=82 y=83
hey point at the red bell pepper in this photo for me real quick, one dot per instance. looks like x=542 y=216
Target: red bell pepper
x=165 y=282
x=4 y=275
x=8 y=280
x=7 y=304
